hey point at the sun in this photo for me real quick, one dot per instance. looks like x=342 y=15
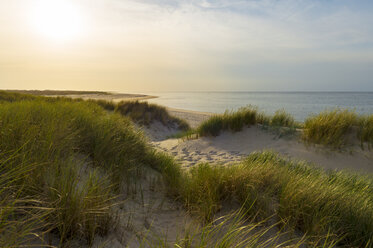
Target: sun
x=57 y=20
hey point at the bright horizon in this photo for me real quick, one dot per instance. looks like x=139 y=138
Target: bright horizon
x=164 y=45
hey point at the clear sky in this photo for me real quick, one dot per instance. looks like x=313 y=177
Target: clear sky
x=151 y=45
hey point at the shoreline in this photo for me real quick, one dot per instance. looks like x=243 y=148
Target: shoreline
x=115 y=97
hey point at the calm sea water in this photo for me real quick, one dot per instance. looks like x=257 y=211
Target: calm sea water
x=299 y=104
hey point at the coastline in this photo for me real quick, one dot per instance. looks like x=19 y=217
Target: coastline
x=115 y=97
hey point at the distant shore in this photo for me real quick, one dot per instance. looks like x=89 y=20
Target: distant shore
x=96 y=95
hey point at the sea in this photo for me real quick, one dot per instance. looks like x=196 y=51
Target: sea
x=299 y=104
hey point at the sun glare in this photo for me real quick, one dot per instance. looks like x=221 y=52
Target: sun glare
x=57 y=20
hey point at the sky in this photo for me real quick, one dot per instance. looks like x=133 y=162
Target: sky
x=180 y=45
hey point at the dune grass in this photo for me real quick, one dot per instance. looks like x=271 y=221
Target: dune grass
x=236 y=230
x=145 y=113
x=282 y=119
x=365 y=132
x=333 y=128
x=230 y=120
x=235 y=121
x=309 y=199
x=63 y=162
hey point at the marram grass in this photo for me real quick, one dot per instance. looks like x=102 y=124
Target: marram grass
x=62 y=164
x=244 y=117
x=334 y=128
x=145 y=113
x=309 y=199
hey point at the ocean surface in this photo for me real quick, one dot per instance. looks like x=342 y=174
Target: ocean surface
x=299 y=104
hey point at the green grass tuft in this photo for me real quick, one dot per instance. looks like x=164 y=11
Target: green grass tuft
x=244 y=117
x=365 y=132
x=282 y=119
x=330 y=127
x=233 y=121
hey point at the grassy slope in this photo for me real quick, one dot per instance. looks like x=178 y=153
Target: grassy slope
x=44 y=145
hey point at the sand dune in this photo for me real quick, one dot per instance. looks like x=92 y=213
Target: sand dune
x=232 y=147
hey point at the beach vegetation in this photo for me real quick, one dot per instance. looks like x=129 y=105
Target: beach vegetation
x=302 y=196
x=330 y=128
x=145 y=113
x=230 y=120
x=235 y=121
x=365 y=131
x=62 y=165
x=282 y=119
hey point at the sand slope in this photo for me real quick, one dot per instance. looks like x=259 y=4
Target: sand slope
x=231 y=147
